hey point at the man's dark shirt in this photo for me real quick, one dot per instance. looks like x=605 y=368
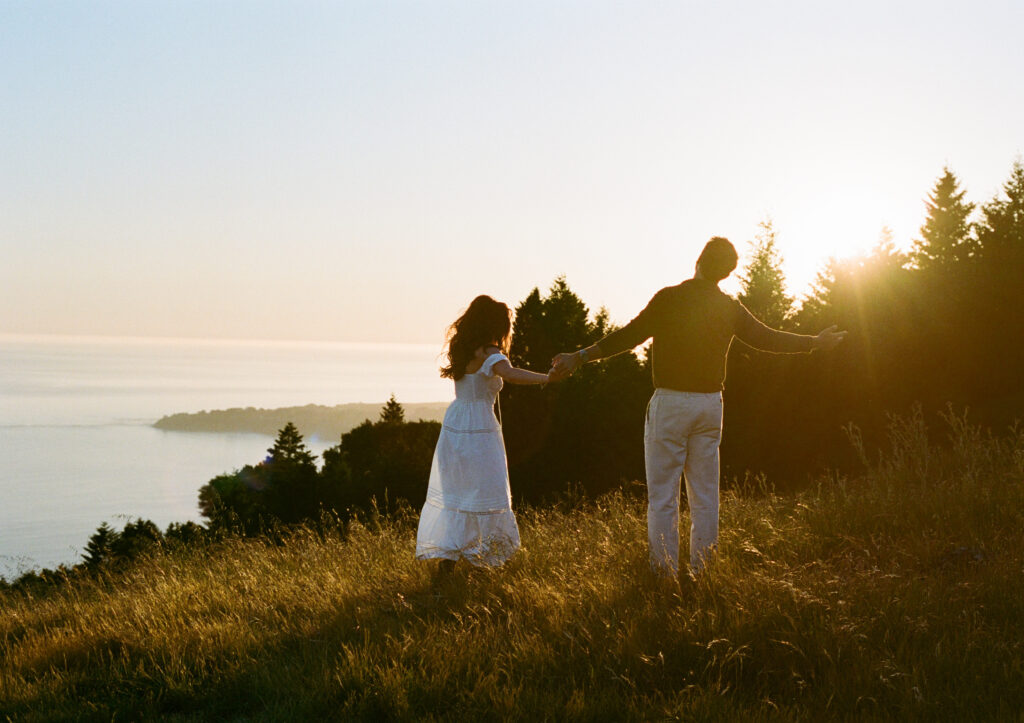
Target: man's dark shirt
x=693 y=325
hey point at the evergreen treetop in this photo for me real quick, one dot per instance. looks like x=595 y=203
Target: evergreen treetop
x=98 y=549
x=392 y=412
x=1000 y=231
x=946 y=234
x=763 y=283
x=289 y=448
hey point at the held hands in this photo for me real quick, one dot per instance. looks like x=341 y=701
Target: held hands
x=562 y=365
x=829 y=338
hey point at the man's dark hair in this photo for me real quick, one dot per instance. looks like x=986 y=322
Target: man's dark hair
x=718 y=259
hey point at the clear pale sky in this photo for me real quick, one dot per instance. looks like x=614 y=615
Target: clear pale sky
x=358 y=171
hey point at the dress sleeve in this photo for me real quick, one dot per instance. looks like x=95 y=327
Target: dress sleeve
x=487 y=368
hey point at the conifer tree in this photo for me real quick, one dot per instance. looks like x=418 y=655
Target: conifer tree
x=590 y=414
x=392 y=413
x=545 y=326
x=763 y=283
x=945 y=236
x=842 y=282
x=98 y=549
x=291 y=476
x=885 y=255
x=1000 y=231
x=289 y=448
x=527 y=331
x=820 y=300
x=565 y=315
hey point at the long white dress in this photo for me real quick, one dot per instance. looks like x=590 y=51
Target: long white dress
x=468 y=511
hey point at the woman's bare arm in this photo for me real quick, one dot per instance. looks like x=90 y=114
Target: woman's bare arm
x=515 y=375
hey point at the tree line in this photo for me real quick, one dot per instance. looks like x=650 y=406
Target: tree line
x=938 y=325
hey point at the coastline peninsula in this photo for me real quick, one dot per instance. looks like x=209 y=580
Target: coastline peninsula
x=313 y=420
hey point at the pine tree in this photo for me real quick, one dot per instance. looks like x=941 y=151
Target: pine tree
x=945 y=236
x=289 y=448
x=565 y=316
x=580 y=429
x=546 y=326
x=997 y=322
x=885 y=256
x=1000 y=232
x=844 y=282
x=763 y=283
x=291 y=476
x=99 y=547
x=528 y=346
x=392 y=413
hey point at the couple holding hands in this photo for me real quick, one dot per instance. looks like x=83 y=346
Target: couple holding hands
x=468 y=509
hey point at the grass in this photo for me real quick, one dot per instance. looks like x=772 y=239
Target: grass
x=893 y=595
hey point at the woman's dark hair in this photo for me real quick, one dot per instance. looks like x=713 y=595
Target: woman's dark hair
x=485 y=323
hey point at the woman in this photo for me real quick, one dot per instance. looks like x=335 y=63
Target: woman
x=468 y=511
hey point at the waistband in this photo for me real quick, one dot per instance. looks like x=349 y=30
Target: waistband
x=666 y=392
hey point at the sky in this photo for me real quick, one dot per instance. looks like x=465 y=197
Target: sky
x=359 y=171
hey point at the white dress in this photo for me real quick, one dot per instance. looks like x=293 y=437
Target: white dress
x=468 y=511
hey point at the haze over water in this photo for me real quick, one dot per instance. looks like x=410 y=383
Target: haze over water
x=76 y=443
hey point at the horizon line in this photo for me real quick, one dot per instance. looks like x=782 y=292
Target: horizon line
x=156 y=339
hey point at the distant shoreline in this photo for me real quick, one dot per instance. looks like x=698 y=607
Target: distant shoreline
x=312 y=420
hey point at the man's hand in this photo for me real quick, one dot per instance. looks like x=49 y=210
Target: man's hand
x=563 y=365
x=828 y=339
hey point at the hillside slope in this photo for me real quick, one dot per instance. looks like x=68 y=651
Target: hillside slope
x=893 y=596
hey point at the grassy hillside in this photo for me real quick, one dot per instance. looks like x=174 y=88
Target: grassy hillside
x=895 y=595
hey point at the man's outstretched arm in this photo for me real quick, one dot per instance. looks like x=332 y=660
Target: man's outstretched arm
x=828 y=338
x=760 y=336
x=628 y=337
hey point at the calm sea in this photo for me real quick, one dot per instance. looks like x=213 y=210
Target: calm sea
x=76 y=443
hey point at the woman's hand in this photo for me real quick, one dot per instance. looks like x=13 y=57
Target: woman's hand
x=563 y=365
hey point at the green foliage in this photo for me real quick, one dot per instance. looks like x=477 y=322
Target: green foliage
x=545 y=326
x=184 y=534
x=291 y=478
x=585 y=433
x=236 y=501
x=108 y=546
x=380 y=465
x=941 y=324
x=945 y=236
x=889 y=595
x=99 y=547
x=289 y=449
x=392 y=413
x=284 y=487
x=1000 y=231
x=377 y=465
x=137 y=538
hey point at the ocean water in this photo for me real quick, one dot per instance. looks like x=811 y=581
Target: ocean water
x=77 y=446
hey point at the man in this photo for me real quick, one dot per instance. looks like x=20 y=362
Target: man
x=693 y=325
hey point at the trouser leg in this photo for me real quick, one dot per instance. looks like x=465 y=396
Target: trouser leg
x=702 y=475
x=665 y=457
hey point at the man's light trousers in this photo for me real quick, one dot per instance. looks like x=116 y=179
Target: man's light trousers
x=681 y=438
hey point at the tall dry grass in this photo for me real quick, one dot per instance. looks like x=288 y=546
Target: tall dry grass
x=894 y=595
